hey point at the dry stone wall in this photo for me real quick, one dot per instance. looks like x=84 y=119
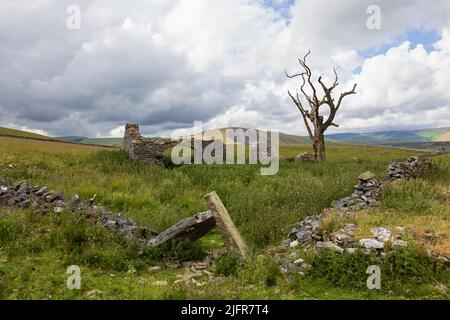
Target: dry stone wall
x=309 y=235
x=23 y=195
x=367 y=193
x=409 y=169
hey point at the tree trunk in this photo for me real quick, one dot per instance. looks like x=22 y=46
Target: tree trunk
x=322 y=154
x=319 y=145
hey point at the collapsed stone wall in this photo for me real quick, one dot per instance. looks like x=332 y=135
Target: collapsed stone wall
x=409 y=169
x=23 y=195
x=308 y=233
x=367 y=193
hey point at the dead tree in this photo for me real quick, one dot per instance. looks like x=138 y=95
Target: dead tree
x=312 y=115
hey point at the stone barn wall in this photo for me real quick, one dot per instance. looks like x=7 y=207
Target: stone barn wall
x=147 y=151
x=152 y=151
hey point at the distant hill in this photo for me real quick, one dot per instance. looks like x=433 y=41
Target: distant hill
x=382 y=137
x=399 y=136
x=285 y=139
x=107 y=142
x=425 y=135
x=23 y=134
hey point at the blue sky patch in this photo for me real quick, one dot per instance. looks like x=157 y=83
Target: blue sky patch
x=415 y=36
x=281 y=6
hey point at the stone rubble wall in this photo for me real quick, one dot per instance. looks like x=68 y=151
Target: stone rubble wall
x=409 y=169
x=367 y=193
x=22 y=195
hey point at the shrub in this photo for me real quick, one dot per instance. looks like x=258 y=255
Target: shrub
x=227 y=265
x=260 y=271
x=345 y=270
x=180 y=251
x=407 y=267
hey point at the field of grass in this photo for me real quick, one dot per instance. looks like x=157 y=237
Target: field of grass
x=35 y=251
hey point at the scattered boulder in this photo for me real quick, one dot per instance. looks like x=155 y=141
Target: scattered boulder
x=328 y=245
x=294 y=244
x=305 y=157
x=289 y=267
x=382 y=234
x=371 y=244
x=430 y=236
x=343 y=240
x=349 y=228
x=41 y=191
x=447 y=195
x=293 y=255
x=398 y=244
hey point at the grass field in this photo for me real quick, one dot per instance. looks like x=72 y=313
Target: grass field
x=35 y=251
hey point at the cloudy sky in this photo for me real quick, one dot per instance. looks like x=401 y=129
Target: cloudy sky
x=167 y=63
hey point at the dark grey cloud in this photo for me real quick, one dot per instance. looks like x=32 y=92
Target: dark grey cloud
x=166 y=63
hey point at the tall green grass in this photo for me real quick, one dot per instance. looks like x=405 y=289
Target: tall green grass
x=263 y=207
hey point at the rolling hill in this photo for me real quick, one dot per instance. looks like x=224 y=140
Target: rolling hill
x=424 y=135
x=285 y=139
x=439 y=135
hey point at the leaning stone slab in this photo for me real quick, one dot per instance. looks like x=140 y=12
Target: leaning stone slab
x=191 y=228
x=230 y=234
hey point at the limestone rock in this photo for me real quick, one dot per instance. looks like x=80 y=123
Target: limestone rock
x=343 y=239
x=371 y=244
x=366 y=176
x=382 y=234
x=398 y=244
x=349 y=228
x=305 y=157
x=328 y=245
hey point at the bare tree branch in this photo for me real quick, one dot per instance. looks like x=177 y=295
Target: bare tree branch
x=334 y=110
x=313 y=115
x=304 y=113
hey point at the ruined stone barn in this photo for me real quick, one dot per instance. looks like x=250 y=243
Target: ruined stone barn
x=151 y=151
